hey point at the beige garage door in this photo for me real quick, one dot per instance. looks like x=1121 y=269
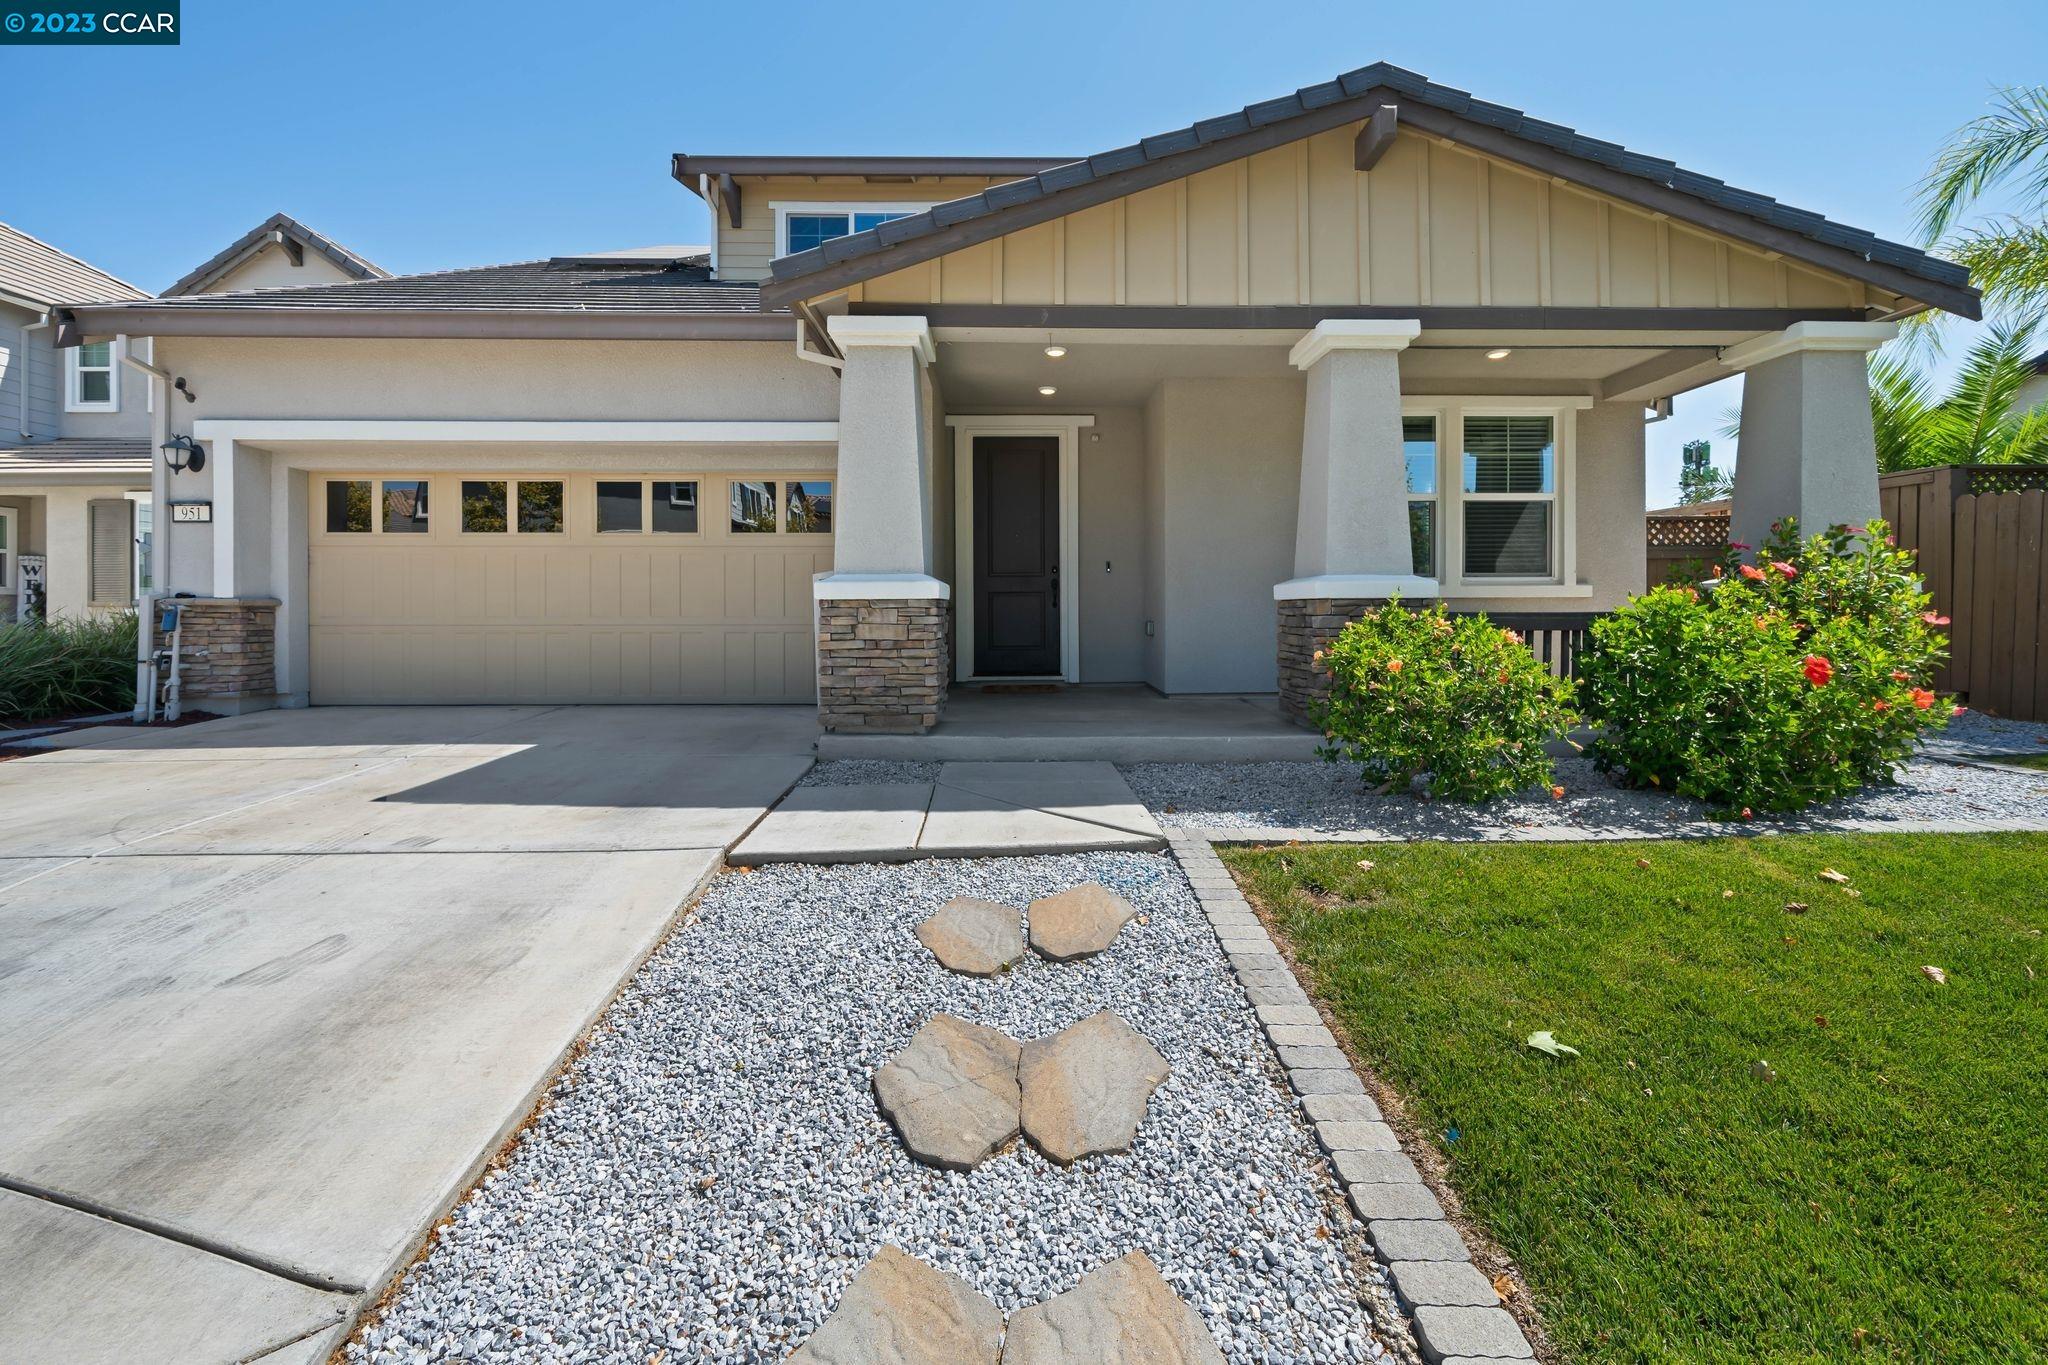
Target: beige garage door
x=660 y=587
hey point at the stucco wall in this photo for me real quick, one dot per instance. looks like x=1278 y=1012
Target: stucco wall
x=1114 y=548
x=1154 y=591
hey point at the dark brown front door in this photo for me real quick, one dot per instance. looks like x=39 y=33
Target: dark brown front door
x=1016 y=555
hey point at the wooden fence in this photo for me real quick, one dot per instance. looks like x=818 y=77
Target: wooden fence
x=1680 y=547
x=1981 y=532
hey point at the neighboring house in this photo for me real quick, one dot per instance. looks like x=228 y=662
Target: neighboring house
x=75 y=450
x=1167 y=414
x=2033 y=393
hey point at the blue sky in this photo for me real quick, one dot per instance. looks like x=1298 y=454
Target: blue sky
x=429 y=136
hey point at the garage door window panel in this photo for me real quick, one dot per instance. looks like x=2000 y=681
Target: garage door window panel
x=405 y=507
x=348 y=506
x=619 y=507
x=540 y=506
x=752 y=506
x=483 y=507
x=810 y=506
x=672 y=508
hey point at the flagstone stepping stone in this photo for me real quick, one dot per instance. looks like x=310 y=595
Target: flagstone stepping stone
x=1079 y=922
x=952 y=1092
x=900 y=1311
x=1085 y=1088
x=1122 y=1313
x=973 y=937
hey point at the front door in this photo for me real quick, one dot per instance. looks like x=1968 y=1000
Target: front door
x=1016 y=556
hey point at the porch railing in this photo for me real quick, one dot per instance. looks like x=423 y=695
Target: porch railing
x=1556 y=638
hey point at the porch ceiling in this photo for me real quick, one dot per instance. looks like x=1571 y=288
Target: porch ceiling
x=994 y=370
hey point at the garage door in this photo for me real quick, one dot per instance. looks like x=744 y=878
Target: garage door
x=659 y=587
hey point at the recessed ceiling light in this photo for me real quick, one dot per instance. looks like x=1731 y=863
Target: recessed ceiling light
x=1055 y=352
x=1047 y=390
x=1499 y=353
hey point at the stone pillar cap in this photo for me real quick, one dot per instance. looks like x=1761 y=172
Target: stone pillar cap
x=1353 y=334
x=878 y=587
x=1367 y=586
x=1861 y=337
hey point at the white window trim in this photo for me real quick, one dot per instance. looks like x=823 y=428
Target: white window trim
x=72 y=371
x=1450 y=413
x=784 y=208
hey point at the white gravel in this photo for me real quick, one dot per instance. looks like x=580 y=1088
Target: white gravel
x=711 y=1173
x=1330 y=800
x=861 y=772
x=1973 y=732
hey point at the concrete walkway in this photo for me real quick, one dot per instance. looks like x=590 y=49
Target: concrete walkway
x=972 y=810
x=278 y=986
x=1107 y=723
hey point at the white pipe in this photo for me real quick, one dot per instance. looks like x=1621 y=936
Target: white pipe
x=159 y=478
x=21 y=373
x=145 y=673
x=804 y=352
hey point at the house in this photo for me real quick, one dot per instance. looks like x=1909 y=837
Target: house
x=75 y=456
x=2034 y=392
x=1167 y=414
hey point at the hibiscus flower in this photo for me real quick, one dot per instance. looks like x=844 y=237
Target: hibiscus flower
x=1786 y=569
x=1922 y=698
x=1752 y=573
x=1933 y=619
x=1818 y=670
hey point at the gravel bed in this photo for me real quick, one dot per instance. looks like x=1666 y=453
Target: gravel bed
x=861 y=772
x=1973 y=732
x=1329 y=799
x=710 y=1174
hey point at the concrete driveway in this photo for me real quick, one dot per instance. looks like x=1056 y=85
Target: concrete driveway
x=276 y=986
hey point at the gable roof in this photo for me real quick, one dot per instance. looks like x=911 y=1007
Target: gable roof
x=263 y=234
x=36 y=272
x=1493 y=129
x=75 y=458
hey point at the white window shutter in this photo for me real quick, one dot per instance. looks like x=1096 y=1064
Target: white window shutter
x=113 y=552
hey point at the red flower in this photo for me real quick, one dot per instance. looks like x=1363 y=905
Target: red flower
x=1738 y=545
x=1786 y=569
x=1745 y=813
x=1900 y=675
x=1922 y=698
x=1752 y=572
x=1818 y=670
x=1393 y=665
x=1933 y=620
x=1557 y=793
x=1880 y=705
x=1957 y=710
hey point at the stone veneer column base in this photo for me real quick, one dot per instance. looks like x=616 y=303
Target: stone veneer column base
x=228 y=651
x=883 y=664
x=1307 y=626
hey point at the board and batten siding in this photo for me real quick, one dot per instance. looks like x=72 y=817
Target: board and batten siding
x=744 y=251
x=1431 y=224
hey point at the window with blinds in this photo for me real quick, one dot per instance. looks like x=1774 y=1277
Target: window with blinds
x=1509 y=496
x=1418 y=451
x=111 y=569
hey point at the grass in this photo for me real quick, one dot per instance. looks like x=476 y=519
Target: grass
x=67 y=667
x=1884 y=1197
x=2025 y=761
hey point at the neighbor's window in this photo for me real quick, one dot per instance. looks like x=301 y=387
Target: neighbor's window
x=348 y=505
x=674 y=506
x=1509 y=492
x=92 y=377
x=405 y=506
x=483 y=506
x=803 y=229
x=540 y=505
x=810 y=505
x=618 y=506
x=753 y=506
x=1418 y=452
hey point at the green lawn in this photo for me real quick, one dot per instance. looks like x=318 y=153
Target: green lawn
x=1885 y=1196
x=2026 y=761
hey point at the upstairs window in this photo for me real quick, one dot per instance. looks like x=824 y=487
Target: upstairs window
x=90 y=383
x=803 y=226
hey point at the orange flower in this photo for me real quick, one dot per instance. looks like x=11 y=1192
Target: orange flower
x=1923 y=699
x=1900 y=675
x=1763 y=623
x=1752 y=572
x=1557 y=793
x=1393 y=665
x=1818 y=670
x=1880 y=705
x=1503 y=678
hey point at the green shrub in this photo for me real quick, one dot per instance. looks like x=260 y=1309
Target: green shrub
x=1414 y=692
x=67 y=667
x=1796 y=679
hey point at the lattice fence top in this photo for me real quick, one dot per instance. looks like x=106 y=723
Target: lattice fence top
x=1694 y=530
x=2010 y=478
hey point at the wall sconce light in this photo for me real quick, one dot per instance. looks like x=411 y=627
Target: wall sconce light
x=182 y=453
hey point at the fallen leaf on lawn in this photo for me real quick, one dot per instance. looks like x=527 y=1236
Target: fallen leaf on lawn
x=1549 y=1046
x=1642 y=862
x=1504 y=1287
x=1727 y=895
x=1795 y=907
x=1828 y=874
x=1935 y=974
x=1821 y=1020
x=2030 y=973
x=1365 y=864
x=1851 y=891
x=1763 y=1070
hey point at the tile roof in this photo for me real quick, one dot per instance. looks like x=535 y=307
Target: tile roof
x=351 y=264
x=563 y=285
x=34 y=270
x=75 y=456
x=1352 y=85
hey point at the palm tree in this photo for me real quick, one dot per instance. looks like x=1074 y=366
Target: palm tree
x=2007 y=254
x=1976 y=422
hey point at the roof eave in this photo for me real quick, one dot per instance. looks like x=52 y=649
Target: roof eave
x=686 y=168
x=198 y=320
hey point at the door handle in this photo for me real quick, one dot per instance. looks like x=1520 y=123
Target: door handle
x=1055 y=585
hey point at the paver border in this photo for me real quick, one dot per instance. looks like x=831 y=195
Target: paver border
x=1451 y=1307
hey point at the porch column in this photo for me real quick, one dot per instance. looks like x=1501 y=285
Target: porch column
x=883 y=621
x=1351 y=544
x=1807 y=449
